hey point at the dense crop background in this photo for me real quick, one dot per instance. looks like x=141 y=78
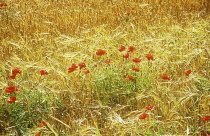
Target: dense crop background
x=46 y=41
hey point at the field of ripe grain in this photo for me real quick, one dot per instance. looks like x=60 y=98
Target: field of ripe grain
x=104 y=67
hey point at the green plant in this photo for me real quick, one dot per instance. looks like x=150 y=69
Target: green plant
x=203 y=84
x=31 y=107
x=111 y=87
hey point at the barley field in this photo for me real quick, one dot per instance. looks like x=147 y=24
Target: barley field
x=104 y=67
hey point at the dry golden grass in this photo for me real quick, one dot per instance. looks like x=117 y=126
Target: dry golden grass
x=53 y=34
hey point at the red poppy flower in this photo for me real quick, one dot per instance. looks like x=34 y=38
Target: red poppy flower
x=127 y=55
x=206 y=118
x=12 y=76
x=11 y=89
x=149 y=57
x=107 y=61
x=122 y=48
x=131 y=48
x=200 y=73
x=150 y=107
x=16 y=71
x=205 y=133
x=165 y=77
x=187 y=73
x=43 y=123
x=136 y=69
x=132 y=8
x=72 y=68
x=3 y=4
x=43 y=72
x=136 y=60
x=95 y=65
x=87 y=71
x=12 y=99
x=131 y=78
x=143 y=116
x=100 y=52
x=81 y=65
x=38 y=135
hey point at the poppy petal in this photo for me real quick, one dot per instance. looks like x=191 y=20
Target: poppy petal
x=143 y=116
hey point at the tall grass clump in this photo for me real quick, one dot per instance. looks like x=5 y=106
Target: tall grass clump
x=104 y=67
x=110 y=86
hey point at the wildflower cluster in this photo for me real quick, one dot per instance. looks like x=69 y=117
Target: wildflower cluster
x=74 y=67
x=3 y=5
x=146 y=115
x=127 y=53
